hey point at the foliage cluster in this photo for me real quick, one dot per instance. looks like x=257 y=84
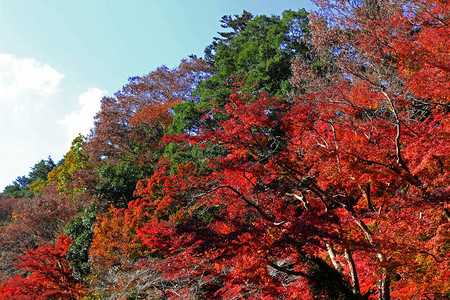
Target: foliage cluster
x=307 y=156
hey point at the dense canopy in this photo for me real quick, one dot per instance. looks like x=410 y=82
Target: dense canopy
x=306 y=156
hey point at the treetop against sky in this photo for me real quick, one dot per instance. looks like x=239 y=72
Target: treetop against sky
x=59 y=58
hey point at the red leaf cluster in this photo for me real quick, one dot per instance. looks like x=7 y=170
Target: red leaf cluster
x=48 y=275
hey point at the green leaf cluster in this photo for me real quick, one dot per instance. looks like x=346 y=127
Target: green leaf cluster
x=81 y=230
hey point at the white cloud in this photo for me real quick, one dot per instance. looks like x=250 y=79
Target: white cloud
x=18 y=110
x=20 y=75
x=32 y=100
x=29 y=90
x=82 y=120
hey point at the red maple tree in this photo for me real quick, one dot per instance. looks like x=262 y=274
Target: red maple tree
x=48 y=275
x=343 y=175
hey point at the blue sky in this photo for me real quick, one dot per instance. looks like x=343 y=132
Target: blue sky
x=59 y=57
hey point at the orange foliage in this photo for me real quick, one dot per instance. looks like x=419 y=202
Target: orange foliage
x=115 y=241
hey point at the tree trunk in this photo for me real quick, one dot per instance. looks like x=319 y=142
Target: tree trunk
x=353 y=273
x=332 y=255
x=384 y=284
x=384 y=281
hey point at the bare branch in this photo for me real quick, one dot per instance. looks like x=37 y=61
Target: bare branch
x=246 y=200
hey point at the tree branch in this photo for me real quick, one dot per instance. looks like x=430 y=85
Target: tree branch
x=250 y=203
x=287 y=271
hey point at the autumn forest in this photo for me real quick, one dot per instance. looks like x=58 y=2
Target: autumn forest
x=304 y=156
